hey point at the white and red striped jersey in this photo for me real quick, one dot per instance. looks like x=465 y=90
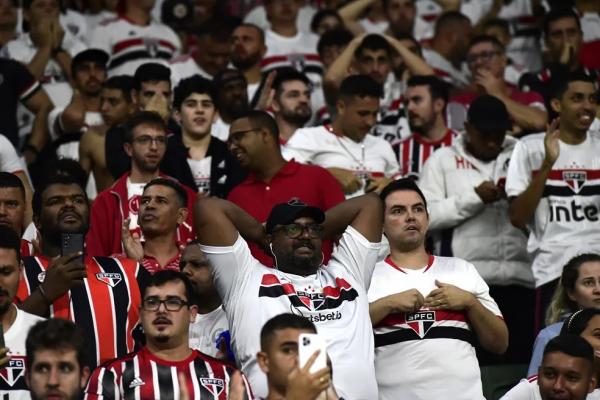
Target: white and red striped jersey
x=444 y=70
x=566 y=218
x=130 y=45
x=142 y=375
x=429 y=346
x=412 y=152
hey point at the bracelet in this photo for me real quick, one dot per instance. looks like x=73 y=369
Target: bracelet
x=44 y=295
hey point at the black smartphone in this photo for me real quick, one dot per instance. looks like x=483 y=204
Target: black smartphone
x=72 y=243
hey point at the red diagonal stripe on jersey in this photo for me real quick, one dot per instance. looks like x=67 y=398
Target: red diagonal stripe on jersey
x=400 y=318
x=557 y=174
x=102 y=310
x=124 y=44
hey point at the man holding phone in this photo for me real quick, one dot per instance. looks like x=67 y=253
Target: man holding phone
x=14 y=323
x=100 y=294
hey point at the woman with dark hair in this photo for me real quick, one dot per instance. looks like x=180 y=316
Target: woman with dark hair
x=579 y=288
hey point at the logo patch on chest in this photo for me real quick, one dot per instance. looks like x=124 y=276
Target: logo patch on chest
x=110 y=278
x=421 y=322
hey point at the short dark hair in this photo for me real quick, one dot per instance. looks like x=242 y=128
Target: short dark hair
x=287 y=74
x=179 y=190
x=437 y=87
x=486 y=39
x=8 y=180
x=124 y=83
x=55 y=334
x=359 y=86
x=169 y=275
x=151 y=72
x=59 y=179
x=219 y=29
x=373 y=42
x=150 y=118
x=448 y=19
x=572 y=345
x=407 y=184
x=406 y=36
x=283 y=321
x=66 y=166
x=578 y=321
x=320 y=16
x=261 y=33
x=337 y=37
x=261 y=119
x=498 y=23
x=560 y=84
x=191 y=85
x=559 y=13
x=10 y=240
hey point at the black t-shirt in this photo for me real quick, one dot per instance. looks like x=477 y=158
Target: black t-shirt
x=16 y=84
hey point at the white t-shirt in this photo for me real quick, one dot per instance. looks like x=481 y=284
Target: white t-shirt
x=445 y=70
x=413 y=351
x=9 y=160
x=12 y=378
x=183 y=67
x=258 y=17
x=134 y=193
x=334 y=299
x=590 y=25
x=373 y=157
x=220 y=130
x=528 y=389
x=201 y=173
x=566 y=219
x=206 y=329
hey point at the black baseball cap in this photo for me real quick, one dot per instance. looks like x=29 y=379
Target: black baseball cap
x=488 y=114
x=95 y=55
x=286 y=213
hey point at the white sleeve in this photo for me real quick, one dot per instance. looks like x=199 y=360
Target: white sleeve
x=54 y=124
x=301 y=147
x=100 y=39
x=524 y=390
x=9 y=160
x=482 y=292
x=230 y=266
x=445 y=211
x=518 y=176
x=392 y=168
x=357 y=255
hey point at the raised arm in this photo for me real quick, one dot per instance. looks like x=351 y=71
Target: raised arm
x=338 y=70
x=217 y=223
x=415 y=64
x=363 y=213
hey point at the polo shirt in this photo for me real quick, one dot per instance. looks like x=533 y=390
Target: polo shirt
x=313 y=185
x=153 y=266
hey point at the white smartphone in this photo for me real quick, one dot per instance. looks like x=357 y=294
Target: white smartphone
x=308 y=344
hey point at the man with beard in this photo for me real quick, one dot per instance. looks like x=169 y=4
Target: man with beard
x=291 y=102
x=151 y=373
x=145 y=143
x=209 y=332
x=246 y=51
x=116 y=105
x=88 y=70
x=101 y=295
x=427 y=308
x=231 y=99
x=163 y=207
x=332 y=296
x=426 y=98
x=254 y=142
x=56 y=364
x=15 y=322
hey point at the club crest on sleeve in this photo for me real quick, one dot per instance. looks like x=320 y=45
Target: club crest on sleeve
x=213 y=385
x=110 y=278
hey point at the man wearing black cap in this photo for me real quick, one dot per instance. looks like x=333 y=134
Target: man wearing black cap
x=88 y=70
x=332 y=297
x=427 y=311
x=464 y=185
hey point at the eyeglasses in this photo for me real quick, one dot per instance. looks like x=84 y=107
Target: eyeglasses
x=484 y=56
x=236 y=137
x=294 y=231
x=147 y=139
x=171 y=304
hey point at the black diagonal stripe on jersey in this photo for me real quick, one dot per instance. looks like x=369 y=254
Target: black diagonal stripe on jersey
x=83 y=317
x=202 y=372
x=328 y=302
x=313 y=69
x=127 y=376
x=438 y=332
x=121 y=302
x=565 y=191
x=32 y=270
x=415 y=160
x=108 y=385
x=165 y=382
x=137 y=55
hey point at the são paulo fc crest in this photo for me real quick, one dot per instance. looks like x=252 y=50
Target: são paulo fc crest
x=421 y=322
x=213 y=385
x=110 y=278
x=14 y=370
x=575 y=179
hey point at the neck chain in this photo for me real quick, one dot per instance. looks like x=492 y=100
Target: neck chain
x=361 y=162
